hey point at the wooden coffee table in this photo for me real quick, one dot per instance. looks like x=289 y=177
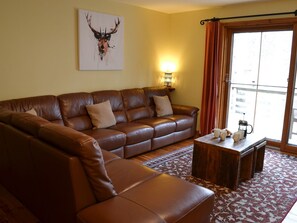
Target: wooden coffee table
x=227 y=163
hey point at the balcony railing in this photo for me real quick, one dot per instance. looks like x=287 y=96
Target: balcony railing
x=262 y=105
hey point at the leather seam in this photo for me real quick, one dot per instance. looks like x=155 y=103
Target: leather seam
x=151 y=211
x=143 y=181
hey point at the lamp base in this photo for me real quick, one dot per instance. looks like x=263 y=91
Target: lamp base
x=171 y=89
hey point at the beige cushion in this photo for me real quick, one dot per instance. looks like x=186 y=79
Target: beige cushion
x=163 y=105
x=101 y=115
x=32 y=112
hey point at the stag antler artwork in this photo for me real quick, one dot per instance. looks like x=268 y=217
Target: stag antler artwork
x=103 y=37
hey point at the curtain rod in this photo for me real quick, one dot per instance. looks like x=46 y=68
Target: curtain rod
x=214 y=19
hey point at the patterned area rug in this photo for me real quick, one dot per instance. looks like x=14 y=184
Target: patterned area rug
x=265 y=198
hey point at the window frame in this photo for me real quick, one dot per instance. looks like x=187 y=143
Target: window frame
x=253 y=26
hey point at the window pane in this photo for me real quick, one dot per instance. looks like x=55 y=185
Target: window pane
x=242 y=102
x=275 y=58
x=245 y=57
x=270 y=110
x=258 y=88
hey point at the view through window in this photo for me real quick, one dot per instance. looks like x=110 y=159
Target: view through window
x=260 y=63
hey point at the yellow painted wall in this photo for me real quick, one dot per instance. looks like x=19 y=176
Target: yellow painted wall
x=39 y=47
x=188 y=42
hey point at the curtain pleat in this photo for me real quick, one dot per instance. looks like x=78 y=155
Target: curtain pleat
x=212 y=68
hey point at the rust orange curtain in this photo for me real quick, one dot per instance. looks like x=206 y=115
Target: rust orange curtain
x=212 y=69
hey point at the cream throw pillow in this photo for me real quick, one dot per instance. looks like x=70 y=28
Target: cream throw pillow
x=32 y=112
x=163 y=105
x=101 y=115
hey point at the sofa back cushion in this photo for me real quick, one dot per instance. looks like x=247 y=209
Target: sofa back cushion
x=116 y=103
x=150 y=92
x=28 y=123
x=46 y=106
x=135 y=104
x=88 y=151
x=5 y=115
x=74 y=112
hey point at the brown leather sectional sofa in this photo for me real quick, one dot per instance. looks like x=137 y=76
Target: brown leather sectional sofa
x=62 y=175
x=137 y=128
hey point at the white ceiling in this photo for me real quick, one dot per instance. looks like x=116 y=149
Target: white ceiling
x=175 y=6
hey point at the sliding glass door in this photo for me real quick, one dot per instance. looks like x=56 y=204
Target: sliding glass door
x=259 y=79
x=293 y=118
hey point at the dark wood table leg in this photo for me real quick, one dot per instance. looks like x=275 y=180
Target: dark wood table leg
x=260 y=156
x=259 y=153
x=246 y=165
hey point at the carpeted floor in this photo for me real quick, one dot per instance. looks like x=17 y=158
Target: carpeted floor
x=265 y=198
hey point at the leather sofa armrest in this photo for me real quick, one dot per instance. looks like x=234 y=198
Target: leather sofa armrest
x=184 y=110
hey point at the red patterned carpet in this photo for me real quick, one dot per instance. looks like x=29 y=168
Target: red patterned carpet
x=266 y=198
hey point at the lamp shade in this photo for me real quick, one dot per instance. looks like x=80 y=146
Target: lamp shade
x=167 y=79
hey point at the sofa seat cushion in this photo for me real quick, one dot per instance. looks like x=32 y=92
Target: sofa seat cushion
x=182 y=121
x=173 y=203
x=108 y=139
x=135 y=132
x=109 y=156
x=126 y=174
x=137 y=148
x=162 y=126
x=118 y=210
x=155 y=200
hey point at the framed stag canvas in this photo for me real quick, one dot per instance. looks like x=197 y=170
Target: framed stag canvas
x=101 y=42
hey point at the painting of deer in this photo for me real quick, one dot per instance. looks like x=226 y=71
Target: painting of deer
x=100 y=41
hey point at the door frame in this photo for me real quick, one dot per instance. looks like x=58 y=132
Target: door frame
x=253 y=26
